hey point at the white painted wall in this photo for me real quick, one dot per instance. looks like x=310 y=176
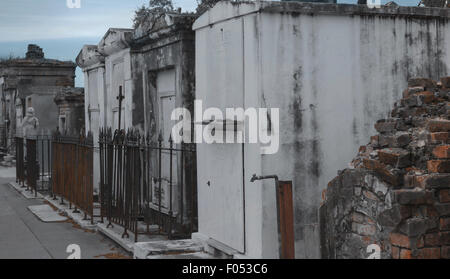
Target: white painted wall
x=332 y=76
x=94 y=105
x=118 y=72
x=220 y=166
x=106 y=66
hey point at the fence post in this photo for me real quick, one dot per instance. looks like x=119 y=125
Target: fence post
x=110 y=157
x=160 y=140
x=170 y=185
x=181 y=207
x=102 y=172
x=31 y=165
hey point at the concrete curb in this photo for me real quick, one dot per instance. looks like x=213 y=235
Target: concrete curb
x=27 y=194
x=152 y=249
x=187 y=256
x=76 y=217
x=125 y=243
x=46 y=213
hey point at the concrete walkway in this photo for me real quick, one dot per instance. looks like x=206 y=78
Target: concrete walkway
x=24 y=236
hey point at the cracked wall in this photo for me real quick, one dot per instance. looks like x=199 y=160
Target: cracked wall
x=395 y=194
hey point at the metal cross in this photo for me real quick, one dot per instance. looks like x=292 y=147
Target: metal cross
x=120 y=98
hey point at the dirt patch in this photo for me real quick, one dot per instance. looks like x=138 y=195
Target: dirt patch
x=77 y=226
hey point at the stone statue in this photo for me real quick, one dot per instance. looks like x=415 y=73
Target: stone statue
x=30 y=123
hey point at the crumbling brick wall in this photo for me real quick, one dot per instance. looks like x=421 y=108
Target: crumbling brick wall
x=396 y=192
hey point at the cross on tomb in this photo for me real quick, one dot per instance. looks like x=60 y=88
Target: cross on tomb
x=120 y=98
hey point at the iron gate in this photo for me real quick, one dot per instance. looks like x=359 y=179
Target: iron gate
x=137 y=174
x=33 y=162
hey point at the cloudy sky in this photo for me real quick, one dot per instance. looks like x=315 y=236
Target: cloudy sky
x=62 y=31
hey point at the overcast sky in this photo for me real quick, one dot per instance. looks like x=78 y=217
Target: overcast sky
x=61 y=31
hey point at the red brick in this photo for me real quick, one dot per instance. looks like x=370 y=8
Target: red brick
x=413 y=196
x=423 y=82
x=399 y=139
x=444 y=195
x=400 y=240
x=442 y=208
x=438 y=125
x=432 y=239
x=439 y=137
x=418 y=111
x=445 y=238
x=414 y=181
x=445 y=252
x=426 y=97
x=437 y=181
x=432 y=212
x=429 y=253
x=445 y=81
x=445 y=224
x=395 y=252
x=405 y=254
x=362 y=149
x=382 y=170
x=396 y=157
x=438 y=166
x=442 y=152
x=386 y=126
x=412 y=90
x=420 y=181
x=420 y=242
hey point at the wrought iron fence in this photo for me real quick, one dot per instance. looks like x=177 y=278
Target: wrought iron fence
x=33 y=162
x=72 y=172
x=20 y=160
x=3 y=138
x=149 y=181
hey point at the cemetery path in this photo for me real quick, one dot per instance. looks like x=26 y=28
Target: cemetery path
x=24 y=236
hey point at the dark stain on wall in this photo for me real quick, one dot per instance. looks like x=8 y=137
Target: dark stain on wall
x=175 y=51
x=296 y=103
x=138 y=100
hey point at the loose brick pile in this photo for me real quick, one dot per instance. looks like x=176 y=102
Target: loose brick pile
x=396 y=193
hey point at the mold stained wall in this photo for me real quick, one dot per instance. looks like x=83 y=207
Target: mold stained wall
x=146 y=65
x=332 y=77
x=175 y=52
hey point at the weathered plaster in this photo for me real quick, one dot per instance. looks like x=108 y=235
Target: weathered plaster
x=333 y=70
x=161 y=45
